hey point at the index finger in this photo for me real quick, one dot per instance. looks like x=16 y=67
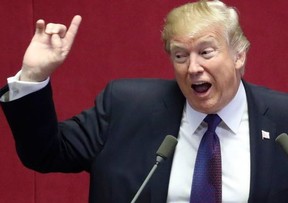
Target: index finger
x=73 y=28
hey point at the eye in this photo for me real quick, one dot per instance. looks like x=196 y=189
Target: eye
x=179 y=56
x=208 y=53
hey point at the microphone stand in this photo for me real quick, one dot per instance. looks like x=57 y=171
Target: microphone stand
x=159 y=159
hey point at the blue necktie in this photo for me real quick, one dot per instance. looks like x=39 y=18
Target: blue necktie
x=207 y=178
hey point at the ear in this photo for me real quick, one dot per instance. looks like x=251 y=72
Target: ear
x=240 y=59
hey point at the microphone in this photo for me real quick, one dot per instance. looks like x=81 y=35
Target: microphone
x=282 y=139
x=164 y=151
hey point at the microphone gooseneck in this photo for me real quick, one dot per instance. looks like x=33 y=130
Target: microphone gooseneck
x=164 y=151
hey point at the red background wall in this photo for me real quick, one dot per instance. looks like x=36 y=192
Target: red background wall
x=116 y=39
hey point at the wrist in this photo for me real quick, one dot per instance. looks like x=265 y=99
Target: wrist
x=30 y=76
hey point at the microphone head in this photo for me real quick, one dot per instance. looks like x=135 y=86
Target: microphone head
x=282 y=139
x=167 y=147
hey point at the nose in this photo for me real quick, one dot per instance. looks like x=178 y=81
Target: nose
x=195 y=66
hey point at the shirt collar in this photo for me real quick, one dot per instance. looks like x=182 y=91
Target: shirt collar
x=234 y=109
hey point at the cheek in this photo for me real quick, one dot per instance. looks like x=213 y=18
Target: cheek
x=225 y=73
x=225 y=77
x=180 y=80
x=227 y=84
x=223 y=84
x=180 y=74
x=180 y=71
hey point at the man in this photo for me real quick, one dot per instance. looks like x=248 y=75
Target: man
x=115 y=140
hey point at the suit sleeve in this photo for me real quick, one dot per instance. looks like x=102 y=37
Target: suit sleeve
x=46 y=145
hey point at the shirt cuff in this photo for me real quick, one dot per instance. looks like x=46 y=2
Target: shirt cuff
x=18 y=89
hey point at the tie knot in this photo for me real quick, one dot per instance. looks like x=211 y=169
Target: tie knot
x=213 y=121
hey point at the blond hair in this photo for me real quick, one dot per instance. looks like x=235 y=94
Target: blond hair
x=192 y=18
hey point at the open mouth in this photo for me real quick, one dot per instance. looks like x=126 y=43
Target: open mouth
x=201 y=87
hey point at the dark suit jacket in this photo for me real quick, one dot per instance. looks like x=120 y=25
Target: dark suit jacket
x=116 y=140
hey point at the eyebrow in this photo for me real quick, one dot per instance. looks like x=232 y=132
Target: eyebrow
x=208 y=40
x=176 y=46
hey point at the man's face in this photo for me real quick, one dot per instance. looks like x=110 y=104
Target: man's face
x=206 y=69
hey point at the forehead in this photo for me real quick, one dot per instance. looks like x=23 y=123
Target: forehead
x=210 y=37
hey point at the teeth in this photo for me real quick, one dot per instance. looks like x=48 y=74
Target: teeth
x=199 y=83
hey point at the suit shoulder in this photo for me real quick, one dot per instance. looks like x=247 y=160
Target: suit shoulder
x=266 y=92
x=142 y=82
x=142 y=90
x=143 y=86
x=273 y=99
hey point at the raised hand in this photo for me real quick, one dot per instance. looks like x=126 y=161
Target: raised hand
x=48 y=49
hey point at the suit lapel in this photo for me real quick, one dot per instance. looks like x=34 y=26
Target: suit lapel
x=261 y=150
x=166 y=121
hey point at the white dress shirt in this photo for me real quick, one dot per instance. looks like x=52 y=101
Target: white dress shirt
x=18 y=89
x=233 y=133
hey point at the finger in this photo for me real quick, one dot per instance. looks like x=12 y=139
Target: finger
x=40 y=26
x=53 y=28
x=56 y=41
x=73 y=29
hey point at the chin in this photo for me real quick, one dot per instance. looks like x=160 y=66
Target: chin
x=206 y=108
